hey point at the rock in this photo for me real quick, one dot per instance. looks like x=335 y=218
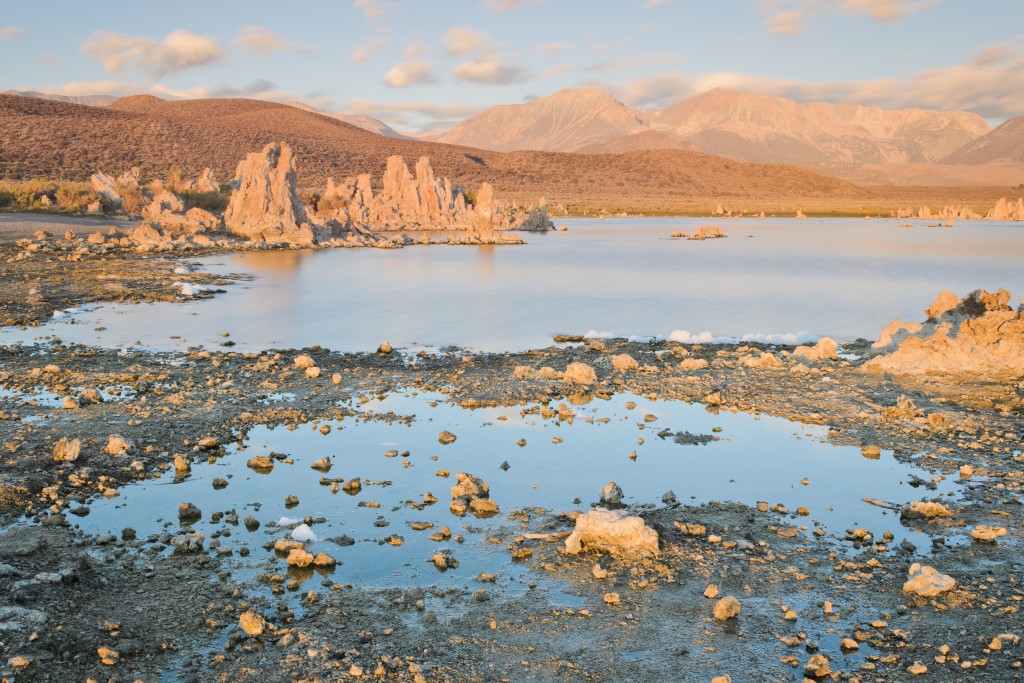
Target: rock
x=981 y=337
x=324 y=561
x=727 y=608
x=206 y=182
x=926 y=582
x=611 y=494
x=252 y=623
x=322 y=464
x=187 y=512
x=131 y=177
x=944 y=302
x=917 y=668
x=623 y=362
x=471 y=493
x=266 y=207
x=983 y=533
x=189 y=543
x=108 y=656
x=261 y=463
x=1006 y=211
x=384 y=348
x=825 y=349
x=116 y=445
x=707 y=232
x=66 y=451
x=297 y=557
x=181 y=463
x=580 y=373
x=613 y=532
x=818 y=666
x=923 y=509
x=304 y=361
x=871 y=452
x=105 y=185
x=446 y=437
x=711 y=592
x=611 y=598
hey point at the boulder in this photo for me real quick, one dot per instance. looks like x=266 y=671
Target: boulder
x=206 y=182
x=613 y=532
x=105 y=185
x=981 y=336
x=825 y=349
x=580 y=373
x=266 y=207
x=923 y=509
x=926 y=582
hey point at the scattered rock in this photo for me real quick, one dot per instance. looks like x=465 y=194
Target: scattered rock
x=252 y=623
x=66 y=451
x=926 y=582
x=923 y=509
x=727 y=608
x=580 y=373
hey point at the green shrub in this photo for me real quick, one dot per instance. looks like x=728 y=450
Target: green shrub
x=134 y=199
x=470 y=196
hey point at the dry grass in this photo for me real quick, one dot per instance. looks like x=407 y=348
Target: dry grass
x=56 y=140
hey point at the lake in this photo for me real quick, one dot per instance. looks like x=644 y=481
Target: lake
x=844 y=278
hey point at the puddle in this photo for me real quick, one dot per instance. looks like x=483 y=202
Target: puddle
x=747 y=459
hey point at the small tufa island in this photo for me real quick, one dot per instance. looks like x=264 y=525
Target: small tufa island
x=265 y=209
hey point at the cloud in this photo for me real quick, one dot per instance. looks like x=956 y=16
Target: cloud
x=8 y=32
x=991 y=84
x=258 y=40
x=553 y=48
x=178 y=51
x=367 y=51
x=372 y=9
x=487 y=70
x=501 y=6
x=418 y=115
x=409 y=73
x=788 y=17
x=558 y=70
x=461 y=40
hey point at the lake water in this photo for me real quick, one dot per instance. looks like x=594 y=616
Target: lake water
x=844 y=278
x=743 y=458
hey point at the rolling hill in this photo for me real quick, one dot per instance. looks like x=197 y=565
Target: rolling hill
x=52 y=139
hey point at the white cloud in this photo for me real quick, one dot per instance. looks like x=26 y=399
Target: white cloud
x=7 y=32
x=553 y=48
x=788 y=17
x=487 y=70
x=259 y=40
x=178 y=51
x=367 y=51
x=409 y=73
x=372 y=9
x=461 y=40
x=991 y=84
x=415 y=50
x=505 y=5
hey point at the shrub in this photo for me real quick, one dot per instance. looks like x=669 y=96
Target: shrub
x=6 y=198
x=469 y=195
x=214 y=202
x=175 y=178
x=134 y=199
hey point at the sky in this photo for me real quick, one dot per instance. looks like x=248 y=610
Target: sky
x=423 y=66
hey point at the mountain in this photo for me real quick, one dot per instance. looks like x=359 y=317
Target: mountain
x=90 y=100
x=567 y=121
x=365 y=122
x=58 y=140
x=760 y=128
x=1004 y=145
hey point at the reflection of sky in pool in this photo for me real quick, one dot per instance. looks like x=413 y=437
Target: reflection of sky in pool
x=755 y=458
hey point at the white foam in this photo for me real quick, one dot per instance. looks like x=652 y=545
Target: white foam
x=181 y=270
x=303 y=534
x=288 y=521
x=787 y=338
x=594 y=334
x=190 y=289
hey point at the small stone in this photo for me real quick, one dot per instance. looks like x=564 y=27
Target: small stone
x=446 y=437
x=818 y=666
x=298 y=557
x=711 y=592
x=67 y=451
x=917 y=668
x=252 y=623
x=727 y=608
x=188 y=512
x=871 y=452
x=108 y=656
x=926 y=582
x=983 y=533
x=304 y=361
x=611 y=494
x=116 y=445
x=384 y=348
x=611 y=598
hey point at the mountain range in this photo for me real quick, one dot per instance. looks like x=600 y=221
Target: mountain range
x=751 y=127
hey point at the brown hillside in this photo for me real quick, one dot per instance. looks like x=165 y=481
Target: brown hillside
x=42 y=138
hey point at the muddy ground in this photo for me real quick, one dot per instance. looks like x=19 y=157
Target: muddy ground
x=118 y=608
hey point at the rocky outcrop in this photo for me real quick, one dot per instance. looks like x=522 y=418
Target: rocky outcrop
x=1005 y=210
x=132 y=177
x=707 y=232
x=979 y=335
x=265 y=206
x=206 y=182
x=423 y=202
x=105 y=185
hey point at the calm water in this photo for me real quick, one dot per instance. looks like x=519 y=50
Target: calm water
x=754 y=458
x=840 y=277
